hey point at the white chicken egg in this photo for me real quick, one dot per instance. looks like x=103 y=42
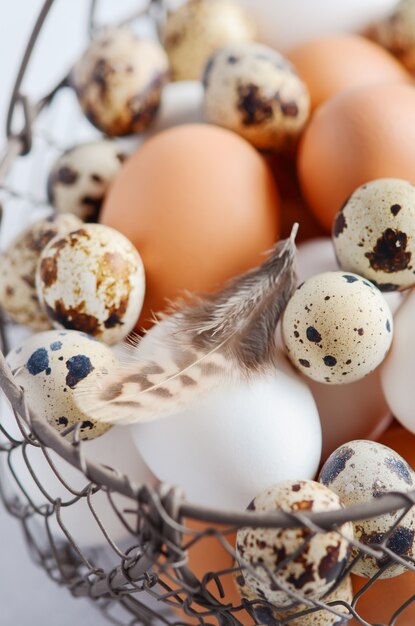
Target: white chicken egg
x=181 y=103
x=232 y=442
x=337 y=327
x=397 y=372
x=360 y=471
x=50 y=365
x=92 y=280
x=283 y=24
x=320 y=561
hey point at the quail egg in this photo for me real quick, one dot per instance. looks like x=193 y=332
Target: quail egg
x=321 y=559
x=50 y=365
x=198 y=28
x=254 y=91
x=18 y=264
x=81 y=176
x=337 y=327
x=269 y=616
x=92 y=280
x=374 y=233
x=118 y=81
x=363 y=470
x=397 y=33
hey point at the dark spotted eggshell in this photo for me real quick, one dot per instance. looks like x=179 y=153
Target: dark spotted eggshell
x=18 y=265
x=360 y=471
x=337 y=327
x=81 y=176
x=266 y=615
x=321 y=560
x=92 y=280
x=374 y=233
x=254 y=91
x=118 y=81
x=50 y=365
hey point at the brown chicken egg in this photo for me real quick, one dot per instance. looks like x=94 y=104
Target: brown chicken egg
x=200 y=205
x=335 y=63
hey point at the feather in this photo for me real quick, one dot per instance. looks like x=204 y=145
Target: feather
x=213 y=340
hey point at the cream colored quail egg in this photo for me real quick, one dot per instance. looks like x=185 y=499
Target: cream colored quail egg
x=50 y=365
x=92 y=280
x=317 y=566
x=81 y=176
x=363 y=470
x=337 y=327
x=254 y=91
x=198 y=28
x=374 y=233
x=18 y=264
x=397 y=33
x=118 y=81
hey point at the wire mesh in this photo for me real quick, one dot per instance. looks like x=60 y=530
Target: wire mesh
x=137 y=560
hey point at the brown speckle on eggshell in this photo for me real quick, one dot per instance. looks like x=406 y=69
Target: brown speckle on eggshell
x=92 y=280
x=18 y=265
x=360 y=471
x=321 y=561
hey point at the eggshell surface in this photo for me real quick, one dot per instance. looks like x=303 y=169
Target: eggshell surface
x=374 y=233
x=254 y=91
x=357 y=136
x=397 y=33
x=312 y=572
x=397 y=371
x=337 y=327
x=18 y=265
x=234 y=441
x=360 y=471
x=50 y=365
x=93 y=281
x=200 y=205
x=118 y=81
x=80 y=178
x=195 y=30
x=336 y=63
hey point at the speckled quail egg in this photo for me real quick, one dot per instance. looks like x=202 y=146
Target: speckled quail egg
x=198 y=28
x=268 y=616
x=118 y=81
x=374 y=233
x=81 y=176
x=337 y=327
x=18 y=264
x=50 y=365
x=397 y=33
x=92 y=280
x=254 y=91
x=317 y=566
x=360 y=471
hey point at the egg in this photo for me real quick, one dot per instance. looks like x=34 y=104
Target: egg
x=316 y=567
x=254 y=91
x=50 y=365
x=335 y=63
x=358 y=410
x=193 y=31
x=201 y=206
x=18 y=264
x=397 y=371
x=360 y=471
x=283 y=24
x=374 y=232
x=264 y=614
x=80 y=177
x=118 y=81
x=181 y=103
x=397 y=33
x=355 y=137
x=92 y=280
x=234 y=441
x=337 y=328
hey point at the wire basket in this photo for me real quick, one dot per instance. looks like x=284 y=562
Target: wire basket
x=145 y=573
